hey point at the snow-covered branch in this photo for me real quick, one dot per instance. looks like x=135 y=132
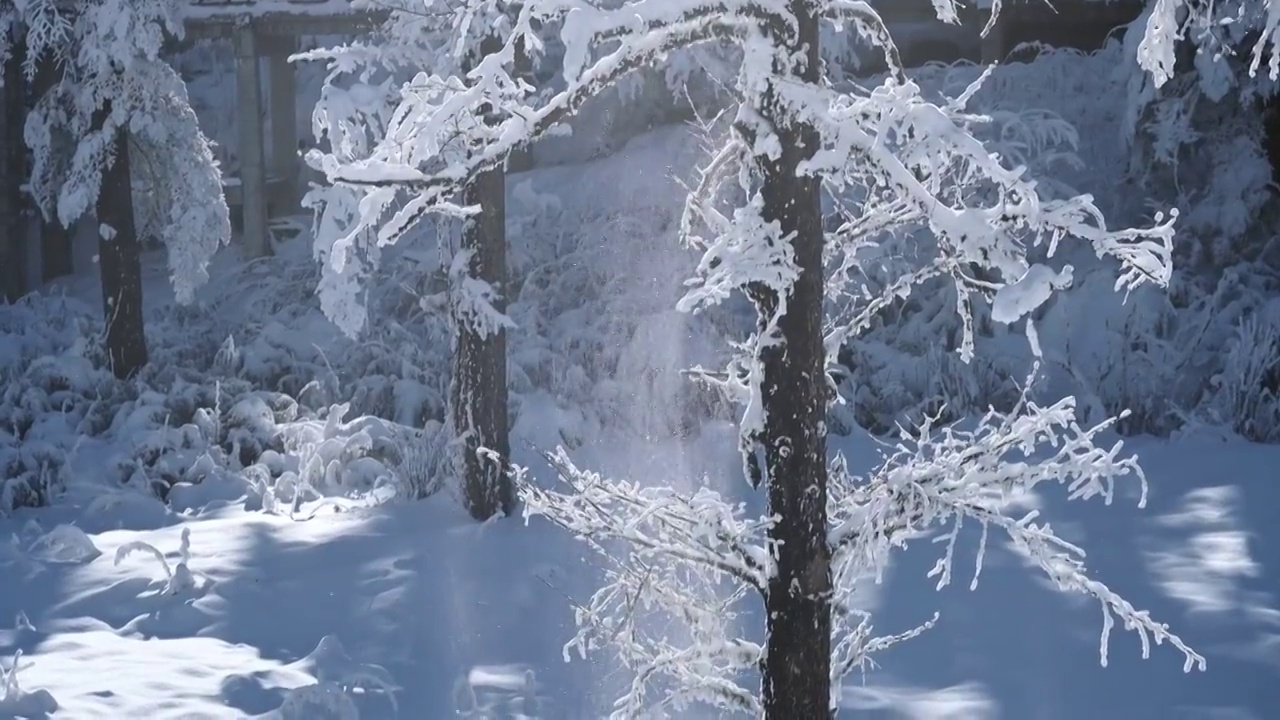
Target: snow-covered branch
x=435 y=109
x=700 y=529
x=944 y=477
x=671 y=592
x=446 y=130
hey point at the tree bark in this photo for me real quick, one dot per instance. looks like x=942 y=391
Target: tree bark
x=797 y=664
x=478 y=393
x=55 y=240
x=13 y=153
x=119 y=262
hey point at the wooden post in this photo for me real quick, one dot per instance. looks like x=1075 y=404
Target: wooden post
x=995 y=43
x=253 y=171
x=284 y=122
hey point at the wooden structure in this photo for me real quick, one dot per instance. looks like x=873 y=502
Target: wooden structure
x=1080 y=24
x=268 y=29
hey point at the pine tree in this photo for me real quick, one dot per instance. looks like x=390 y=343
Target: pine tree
x=115 y=92
x=478 y=388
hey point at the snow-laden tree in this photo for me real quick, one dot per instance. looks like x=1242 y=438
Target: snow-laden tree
x=116 y=93
x=892 y=161
x=359 y=95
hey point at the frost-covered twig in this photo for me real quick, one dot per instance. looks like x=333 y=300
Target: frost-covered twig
x=940 y=478
x=677 y=569
x=701 y=528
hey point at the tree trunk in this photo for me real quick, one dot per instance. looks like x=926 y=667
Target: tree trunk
x=797 y=665
x=13 y=153
x=478 y=393
x=55 y=240
x=120 y=265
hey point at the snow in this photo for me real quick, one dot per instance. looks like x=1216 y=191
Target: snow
x=279 y=581
x=442 y=611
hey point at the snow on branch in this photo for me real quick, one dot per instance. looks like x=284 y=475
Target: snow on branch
x=1217 y=28
x=944 y=477
x=700 y=528
x=686 y=564
x=920 y=165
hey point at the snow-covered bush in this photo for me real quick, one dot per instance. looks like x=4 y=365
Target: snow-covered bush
x=163 y=428
x=1247 y=390
x=52 y=391
x=178 y=578
x=421 y=470
x=113 y=80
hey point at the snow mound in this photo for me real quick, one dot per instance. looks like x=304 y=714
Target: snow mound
x=64 y=545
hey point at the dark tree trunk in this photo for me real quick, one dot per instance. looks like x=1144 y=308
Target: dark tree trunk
x=478 y=394
x=478 y=391
x=120 y=265
x=55 y=240
x=13 y=153
x=797 y=665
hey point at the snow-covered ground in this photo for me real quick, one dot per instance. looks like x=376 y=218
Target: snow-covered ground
x=434 y=614
x=356 y=606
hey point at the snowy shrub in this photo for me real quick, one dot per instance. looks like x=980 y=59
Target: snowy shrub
x=178 y=578
x=1208 y=156
x=908 y=383
x=338 y=676
x=325 y=458
x=64 y=545
x=421 y=470
x=1247 y=390
x=53 y=391
x=18 y=703
x=321 y=701
x=490 y=691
